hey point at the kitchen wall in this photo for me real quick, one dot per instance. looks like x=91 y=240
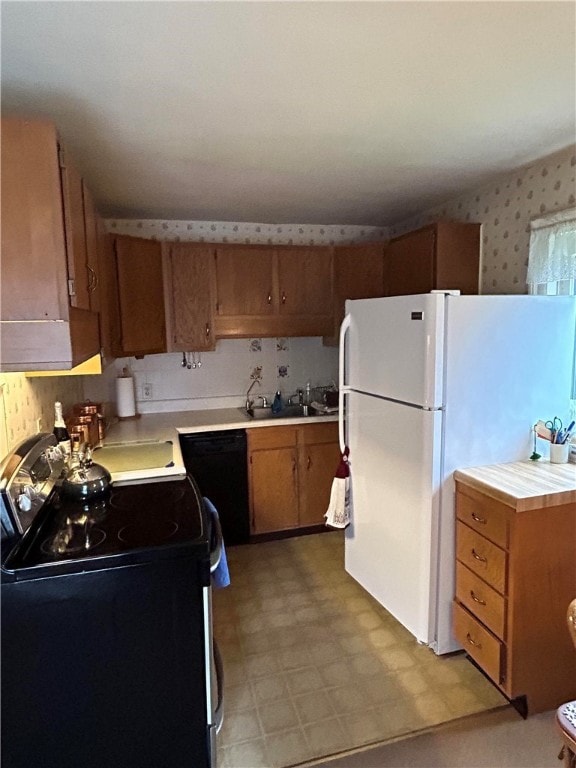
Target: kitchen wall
x=24 y=400
x=224 y=376
x=505 y=208
x=246 y=233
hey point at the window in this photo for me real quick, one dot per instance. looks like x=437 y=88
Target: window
x=552 y=255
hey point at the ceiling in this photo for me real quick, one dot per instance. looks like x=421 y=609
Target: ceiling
x=293 y=112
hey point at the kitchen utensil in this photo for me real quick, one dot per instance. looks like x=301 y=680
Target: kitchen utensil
x=183 y=363
x=86 y=480
x=199 y=363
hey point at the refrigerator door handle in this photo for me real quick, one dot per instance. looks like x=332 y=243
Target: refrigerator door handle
x=342 y=380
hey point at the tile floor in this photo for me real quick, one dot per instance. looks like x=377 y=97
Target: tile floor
x=314 y=666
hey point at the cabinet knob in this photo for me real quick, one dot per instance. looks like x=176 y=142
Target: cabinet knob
x=207 y=330
x=269 y=298
x=476 y=599
x=482 y=520
x=309 y=463
x=283 y=297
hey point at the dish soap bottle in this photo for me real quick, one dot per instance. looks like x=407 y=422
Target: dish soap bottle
x=277 y=405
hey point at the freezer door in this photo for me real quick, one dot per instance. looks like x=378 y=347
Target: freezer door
x=394 y=348
x=392 y=539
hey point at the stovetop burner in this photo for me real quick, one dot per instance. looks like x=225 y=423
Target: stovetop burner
x=158 y=495
x=160 y=531
x=120 y=525
x=73 y=539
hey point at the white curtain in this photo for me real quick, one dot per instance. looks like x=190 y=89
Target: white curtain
x=552 y=255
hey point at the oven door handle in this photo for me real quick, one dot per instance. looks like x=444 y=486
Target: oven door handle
x=219 y=712
x=216 y=541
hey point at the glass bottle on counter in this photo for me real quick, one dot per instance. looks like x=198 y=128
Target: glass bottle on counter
x=61 y=431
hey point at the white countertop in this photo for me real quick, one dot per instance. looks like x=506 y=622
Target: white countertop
x=155 y=427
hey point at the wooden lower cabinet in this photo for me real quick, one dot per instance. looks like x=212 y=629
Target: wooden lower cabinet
x=290 y=474
x=515 y=577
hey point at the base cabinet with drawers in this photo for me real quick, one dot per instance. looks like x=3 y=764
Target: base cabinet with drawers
x=515 y=577
x=290 y=475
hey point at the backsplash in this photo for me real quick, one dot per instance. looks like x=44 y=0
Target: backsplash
x=505 y=208
x=223 y=376
x=23 y=401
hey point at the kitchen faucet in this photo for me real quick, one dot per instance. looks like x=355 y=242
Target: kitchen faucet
x=250 y=403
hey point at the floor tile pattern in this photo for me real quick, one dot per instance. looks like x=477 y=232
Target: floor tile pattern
x=314 y=666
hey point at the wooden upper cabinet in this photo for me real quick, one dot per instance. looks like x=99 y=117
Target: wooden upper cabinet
x=358 y=274
x=141 y=295
x=245 y=281
x=76 y=234
x=190 y=296
x=93 y=247
x=273 y=291
x=444 y=255
x=43 y=250
x=305 y=281
x=107 y=294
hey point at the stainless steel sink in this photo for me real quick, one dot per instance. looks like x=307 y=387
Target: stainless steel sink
x=287 y=412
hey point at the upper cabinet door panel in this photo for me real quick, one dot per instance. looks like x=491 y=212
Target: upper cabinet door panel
x=245 y=281
x=93 y=246
x=409 y=263
x=191 y=296
x=141 y=294
x=73 y=196
x=305 y=281
x=34 y=274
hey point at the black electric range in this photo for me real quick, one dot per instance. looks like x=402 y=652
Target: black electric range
x=107 y=649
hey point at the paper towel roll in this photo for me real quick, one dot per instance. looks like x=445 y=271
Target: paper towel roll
x=125 y=399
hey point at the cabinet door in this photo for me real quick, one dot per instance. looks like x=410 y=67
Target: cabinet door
x=305 y=281
x=273 y=490
x=93 y=245
x=73 y=197
x=317 y=465
x=141 y=295
x=409 y=263
x=358 y=274
x=190 y=287
x=110 y=327
x=245 y=282
x=34 y=270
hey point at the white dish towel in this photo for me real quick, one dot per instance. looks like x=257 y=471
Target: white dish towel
x=339 y=510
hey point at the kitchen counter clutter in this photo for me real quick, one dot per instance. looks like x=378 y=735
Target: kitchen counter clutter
x=515 y=577
x=166 y=426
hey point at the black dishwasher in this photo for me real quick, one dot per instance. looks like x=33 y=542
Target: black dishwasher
x=218 y=463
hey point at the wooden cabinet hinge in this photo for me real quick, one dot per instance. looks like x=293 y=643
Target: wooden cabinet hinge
x=71 y=288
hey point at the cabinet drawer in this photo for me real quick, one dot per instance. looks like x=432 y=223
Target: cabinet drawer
x=482 y=556
x=481 y=600
x=271 y=437
x=487 y=516
x=478 y=642
x=312 y=434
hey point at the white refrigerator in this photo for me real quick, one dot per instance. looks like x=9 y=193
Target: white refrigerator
x=428 y=384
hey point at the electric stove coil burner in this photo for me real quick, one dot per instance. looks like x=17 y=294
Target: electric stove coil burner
x=159 y=496
x=73 y=538
x=156 y=532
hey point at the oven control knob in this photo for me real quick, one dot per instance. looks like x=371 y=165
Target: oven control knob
x=25 y=498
